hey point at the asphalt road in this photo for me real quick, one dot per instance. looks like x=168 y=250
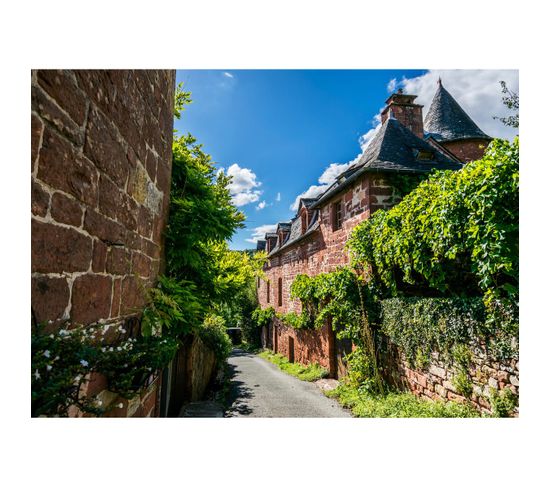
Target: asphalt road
x=261 y=389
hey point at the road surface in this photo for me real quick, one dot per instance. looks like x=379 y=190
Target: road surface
x=258 y=388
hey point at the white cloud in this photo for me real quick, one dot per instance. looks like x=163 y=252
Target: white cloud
x=259 y=232
x=278 y=197
x=477 y=91
x=241 y=187
x=229 y=75
x=241 y=199
x=326 y=179
x=262 y=205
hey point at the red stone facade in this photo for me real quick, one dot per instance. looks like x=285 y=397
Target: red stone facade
x=101 y=156
x=320 y=252
x=467 y=150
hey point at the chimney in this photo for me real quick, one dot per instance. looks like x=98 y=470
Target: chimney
x=402 y=107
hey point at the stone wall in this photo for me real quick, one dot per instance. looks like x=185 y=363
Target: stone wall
x=101 y=154
x=468 y=150
x=322 y=251
x=435 y=382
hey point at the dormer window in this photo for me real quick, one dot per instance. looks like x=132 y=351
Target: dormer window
x=423 y=155
x=304 y=221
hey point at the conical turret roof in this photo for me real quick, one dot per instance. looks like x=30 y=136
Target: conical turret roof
x=447 y=121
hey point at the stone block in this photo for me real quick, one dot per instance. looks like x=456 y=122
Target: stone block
x=49 y=297
x=51 y=113
x=55 y=249
x=118 y=261
x=437 y=371
x=66 y=210
x=40 y=199
x=514 y=380
x=141 y=264
x=105 y=148
x=99 y=259
x=107 y=230
x=115 y=302
x=62 y=168
x=91 y=298
x=36 y=135
x=133 y=296
x=61 y=86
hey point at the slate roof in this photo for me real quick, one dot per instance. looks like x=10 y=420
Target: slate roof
x=394 y=148
x=447 y=121
x=295 y=234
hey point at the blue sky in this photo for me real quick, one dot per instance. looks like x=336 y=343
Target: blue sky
x=278 y=131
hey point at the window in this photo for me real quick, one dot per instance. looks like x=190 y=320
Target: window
x=268 y=291
x=337 y=215
x=280 y=297
x=304 y=222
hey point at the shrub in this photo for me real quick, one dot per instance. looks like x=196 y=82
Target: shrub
x=422 y=325
x=213 y=333
x=456 y=233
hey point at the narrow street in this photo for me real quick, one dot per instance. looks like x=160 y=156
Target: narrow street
x=260 y=389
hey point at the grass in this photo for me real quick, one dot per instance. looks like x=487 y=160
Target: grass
x=397 y=404
x=311 y=372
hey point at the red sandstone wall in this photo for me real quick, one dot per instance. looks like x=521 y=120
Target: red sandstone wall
x=101 y=155
x=436 y=381
x=323 y=251
x=310 y=346
x=470 y=150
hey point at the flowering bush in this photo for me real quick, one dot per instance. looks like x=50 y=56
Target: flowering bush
x=63 y=361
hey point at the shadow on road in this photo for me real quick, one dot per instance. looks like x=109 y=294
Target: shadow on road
x=238 y=391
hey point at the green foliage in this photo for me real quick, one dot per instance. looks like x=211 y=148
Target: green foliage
x=181 y=99
x=364 y=404
x=173 y=306
x=339 y=295
x=311 y=372
x=262 y=316
x=420 y=326
x=455 y=234
x=510 y=100
x=214 y=334
x=503 y=403
x=362 y=371
x=62 y=361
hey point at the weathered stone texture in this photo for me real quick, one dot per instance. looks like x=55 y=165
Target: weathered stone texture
x=92 y=134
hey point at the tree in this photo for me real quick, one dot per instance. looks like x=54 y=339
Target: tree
x=511 y=100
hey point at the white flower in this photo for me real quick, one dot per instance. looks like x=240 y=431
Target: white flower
x=120 y=405
x=99 y=403
x=119 y=348
x=77 y=377
x=37 y=374
x=51 y=336
x=63 y=332
x=47 y=353
x=123 y=331
x=48 y=367
x=56 y=358
x=103 y=349
x=84 y=363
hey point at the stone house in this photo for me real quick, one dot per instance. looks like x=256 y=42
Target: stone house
x=313 y=241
